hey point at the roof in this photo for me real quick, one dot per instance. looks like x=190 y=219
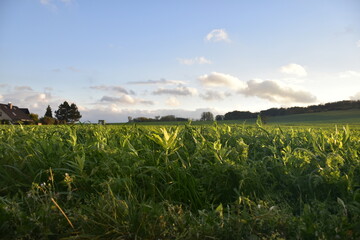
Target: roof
x=15 y=113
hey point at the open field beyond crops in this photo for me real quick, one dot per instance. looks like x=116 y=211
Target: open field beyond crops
x=179 y=182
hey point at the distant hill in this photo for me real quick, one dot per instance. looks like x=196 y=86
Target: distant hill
x=276 y=112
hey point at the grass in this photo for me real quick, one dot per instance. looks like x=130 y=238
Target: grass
x=179 y=182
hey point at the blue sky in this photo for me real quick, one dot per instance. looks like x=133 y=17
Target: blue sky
x=116 y=59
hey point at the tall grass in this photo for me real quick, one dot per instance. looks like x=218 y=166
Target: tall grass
x=179 y=182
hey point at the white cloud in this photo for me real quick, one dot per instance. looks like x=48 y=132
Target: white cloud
x=192 y=61
x=117 y=89
x=214 y=95
x=355 y=97
x=217 y=35
x=172 y=102
x=216 y=79
x=178 y=91
x=125 y=99
x=23 y=88
x=275 y=91
x=294 y=69
x=161 y=81
x=358 y=44
x=349 y=74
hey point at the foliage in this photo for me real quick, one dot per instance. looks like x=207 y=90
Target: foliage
x=34 y=117
x=179 y=182
x=67 y=113
x=48 y=112
x=207 y=116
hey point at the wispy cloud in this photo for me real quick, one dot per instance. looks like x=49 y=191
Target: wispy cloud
x=349 y=74
x=74 y=69
x=161 y=81
x=355 y=97
x=179 y=91
x=216 y=79
x=125 y=99
x=294 y=69
x=117 y=89
x=217 y=35
x=23 y=88
x=172 y=102
x=275 y=91
x=214 y=95
x=192 y=61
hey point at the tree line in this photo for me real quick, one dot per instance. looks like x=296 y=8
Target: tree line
x=273 y=112
x=66 y=113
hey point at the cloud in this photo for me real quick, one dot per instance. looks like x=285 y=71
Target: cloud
x=74 y=69
x=214 y=95
x=117 y=89
x=217 y=35
x=294 y=69
x=56 y=70
x=45 y=2
x=358 y=44
x=179 y=91
x=277 y=92
x=349 y=74
x=161 y=81
x=125 y=99
x=172 y=102
x=23 y=88
x=216 y=79
x=355 y=97
x=192 y=61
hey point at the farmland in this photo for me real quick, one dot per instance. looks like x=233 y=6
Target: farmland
x=223 y=181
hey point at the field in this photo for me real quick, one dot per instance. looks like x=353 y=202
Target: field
x=216 y=181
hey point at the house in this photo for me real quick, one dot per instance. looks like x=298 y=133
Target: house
x=11 y=113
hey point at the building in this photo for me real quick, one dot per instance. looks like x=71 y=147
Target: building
x=13 y=114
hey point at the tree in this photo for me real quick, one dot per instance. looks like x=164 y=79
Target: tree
x=207 y=116
x=74 y=114
x=34 y=117
x=48 y=112
x=219 y=117
x=67 y=113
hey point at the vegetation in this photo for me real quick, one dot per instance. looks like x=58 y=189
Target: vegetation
x=275 y=112
x=179 y=182
x=67 y=113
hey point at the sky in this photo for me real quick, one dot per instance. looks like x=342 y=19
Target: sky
x=116 y=59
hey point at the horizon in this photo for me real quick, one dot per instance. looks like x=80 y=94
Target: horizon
x=147 y=59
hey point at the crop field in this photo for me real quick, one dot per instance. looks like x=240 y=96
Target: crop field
x=179 y=182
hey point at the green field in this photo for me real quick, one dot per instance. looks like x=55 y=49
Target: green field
x=213 y=181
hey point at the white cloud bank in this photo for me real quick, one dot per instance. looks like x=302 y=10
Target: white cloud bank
x=294 y=69
x=271 y=90
x=217 y=35
x=216 y=79
x=278 y=92
x=192 y=61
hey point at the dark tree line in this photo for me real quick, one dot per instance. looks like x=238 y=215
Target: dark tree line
x=65 y=114
x=272 y=112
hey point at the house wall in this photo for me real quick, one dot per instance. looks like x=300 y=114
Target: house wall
x=4 y=116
